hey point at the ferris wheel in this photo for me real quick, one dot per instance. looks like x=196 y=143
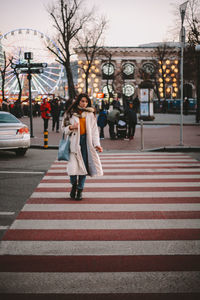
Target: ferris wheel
x=15 y=43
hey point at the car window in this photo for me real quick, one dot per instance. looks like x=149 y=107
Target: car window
x=6 y=118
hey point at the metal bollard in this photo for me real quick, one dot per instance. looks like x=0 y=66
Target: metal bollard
x=142 y=134
x=46 y=139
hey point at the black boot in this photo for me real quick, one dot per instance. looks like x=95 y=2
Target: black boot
x=79 y=194
x=73 y=192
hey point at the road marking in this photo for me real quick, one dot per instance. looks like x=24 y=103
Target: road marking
x=98 y=282
x=3 y=227
x=113 y=207
x=122 y=195
x=122 y=184
x=106 y=224
x=6 y=213
x=100 y=248
x=20 y=172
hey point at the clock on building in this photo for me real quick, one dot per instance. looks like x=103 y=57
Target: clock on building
x=108 y=69
x=107 y=89
x=128 y=90
x=128 y=69
x=149 y=68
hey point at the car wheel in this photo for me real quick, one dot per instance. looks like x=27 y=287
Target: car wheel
x=21 y=151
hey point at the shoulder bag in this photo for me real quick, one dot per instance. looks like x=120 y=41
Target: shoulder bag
x=64 y=148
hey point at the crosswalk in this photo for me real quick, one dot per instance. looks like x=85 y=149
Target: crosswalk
x=135 y=235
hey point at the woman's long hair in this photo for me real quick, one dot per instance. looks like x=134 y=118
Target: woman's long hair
x=74 y=106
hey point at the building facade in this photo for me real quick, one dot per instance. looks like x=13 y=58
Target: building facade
x=123 y=71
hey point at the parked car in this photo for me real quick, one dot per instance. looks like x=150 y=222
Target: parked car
x=14 y=135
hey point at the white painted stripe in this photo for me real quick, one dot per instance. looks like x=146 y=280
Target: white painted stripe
x=106 y=224
x=152 y=165
x=135 y=170
x=99 y=282
x=4 y=227
x=139 y=153
x=123 y=184
x=132 y=164
x=186 y=160
x=171 y=176
x=20 y=172
x=122 y=195
x=6 y=213
x=100 y=248
x=113 y=207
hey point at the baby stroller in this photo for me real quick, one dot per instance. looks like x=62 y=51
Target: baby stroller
x=121 y=127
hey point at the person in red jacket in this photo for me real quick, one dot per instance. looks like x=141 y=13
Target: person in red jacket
x=45 y=112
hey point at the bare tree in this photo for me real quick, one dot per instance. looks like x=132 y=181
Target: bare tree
x=68 y=17
x=90 y=43
x=3 y=70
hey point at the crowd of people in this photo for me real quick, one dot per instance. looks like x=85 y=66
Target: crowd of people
x=121 y=120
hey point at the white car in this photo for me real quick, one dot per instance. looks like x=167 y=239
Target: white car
x=14 y=135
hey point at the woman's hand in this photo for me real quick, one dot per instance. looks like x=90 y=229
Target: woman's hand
x=74 y=126
x=99 y=148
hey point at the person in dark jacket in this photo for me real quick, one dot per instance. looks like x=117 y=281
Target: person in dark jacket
x=55 y=112
x=102 y=122
x=113 y=117
x=131 y=117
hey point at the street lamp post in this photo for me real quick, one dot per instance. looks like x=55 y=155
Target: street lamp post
x=29 y=69
x=182 y=8
x=197 y=49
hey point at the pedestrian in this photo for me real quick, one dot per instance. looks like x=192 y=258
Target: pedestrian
x=80 y=123
x=55 y=112
x=113 y=117
x=116 y=104
x=45 y=109
x=131 y=117
x=186 y=105
x=102 y=122
x=136 y=104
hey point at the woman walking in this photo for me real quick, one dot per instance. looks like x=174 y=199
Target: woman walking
x=79 y=122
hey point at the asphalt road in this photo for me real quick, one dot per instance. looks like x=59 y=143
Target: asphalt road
x=19 y=176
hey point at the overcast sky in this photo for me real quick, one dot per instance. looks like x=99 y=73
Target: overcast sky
x=131 y=22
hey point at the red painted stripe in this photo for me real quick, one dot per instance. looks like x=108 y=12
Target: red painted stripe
x=124 y=189
x=132 y=200
x=102 y=235
x=108 y=215
x=101 y=296
x=100 y=263
x=125 y=180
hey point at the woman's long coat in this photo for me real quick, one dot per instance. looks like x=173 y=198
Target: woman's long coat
x=76 y=164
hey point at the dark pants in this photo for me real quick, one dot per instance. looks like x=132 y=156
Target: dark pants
x=111 y=129
x=81 y=178
x=46 y=122
x=101 y=132
x=131 y=129
x=55 y=122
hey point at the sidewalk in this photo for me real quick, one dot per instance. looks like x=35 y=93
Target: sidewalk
x=162 y=133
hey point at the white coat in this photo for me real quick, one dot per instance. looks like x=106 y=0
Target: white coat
x=76 y=164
